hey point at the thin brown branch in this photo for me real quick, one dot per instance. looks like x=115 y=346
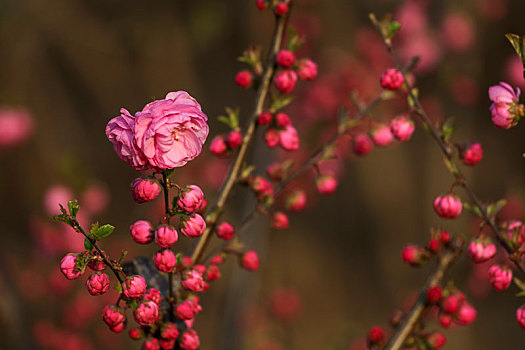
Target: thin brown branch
x=166 y=189
x=235 y=170
x=437 y=277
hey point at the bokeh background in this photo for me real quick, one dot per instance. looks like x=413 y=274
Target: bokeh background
x=68 y=66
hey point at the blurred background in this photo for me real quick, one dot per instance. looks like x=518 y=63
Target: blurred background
x=68 y=67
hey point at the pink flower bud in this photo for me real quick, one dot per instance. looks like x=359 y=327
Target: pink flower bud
x=414 y=255
x=282 y=119
x=200 y=268
x=307 y=69
x=151 y=344
x=285 y=58
x=250 y=260
x=392 y=79
x=136 y=333
x=147 y=313
x=191 y=199
x=225 y=231
x=402 y=128
x=289 y=139
x=450 y=304
x=166 y=236
x=169 y=331
x=189 y=340
x=212 y=273
x=184 y=264
x=272 y=137
x=113 y=315
x=500 y=277
x=382 y=135
x=261 y=4
x=434 y=294
x=445 y=320
x=436 y=340
x=134 y=287
x=166 y=344
x=218 y=146
x=217 y=259
x=275 y=171
x=520 y=316
x=188 y=309
x=154 y=295
x=285 y=81
x=165 y=260
x=433 y=245
x=279 y=220
x=262 y=188
x=142 y=232
x=68 y=266
x=244 y=79
x=472 y=154
x=326 y=184
x=193 y=226
x=448 y=206
x=505 y=109
x=192 y=280
x=376 y=335
x=96 y=263
x=481 y=249
x=515 y=231
x=264 y=118
x=466 y=315
x=362 y=144
x=444 y=237
x=144 y=189
x=97 y=284
x=234 y=139
x=296 y=200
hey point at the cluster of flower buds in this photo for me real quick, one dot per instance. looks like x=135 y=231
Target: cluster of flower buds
x=453 y=307
x=280 y=7
x=279 y=131
x=416 y=255
x=222 y=145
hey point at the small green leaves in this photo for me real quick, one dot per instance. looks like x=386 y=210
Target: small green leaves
x=494 y=208
x=65 y=217
x=518 y=42
x=448 y=128
x=102 y=231
x=410 y=100
x=231 y=119
x=279 y=101
x=246 y=171
x=252 y=57
x=73 y=207
x=521 y=285
x=294 y=40
x=386 y=26
x=87 y=244
x=123 y=255
x=474 y=209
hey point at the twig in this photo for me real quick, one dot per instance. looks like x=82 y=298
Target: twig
x=411 y=319
x=233 y=176
x=167 y=211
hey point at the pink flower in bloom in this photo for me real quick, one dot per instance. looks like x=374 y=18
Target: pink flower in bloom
x=191 y=199
x=436 y=340
x=142 y=232
x=448 y=206
x=285 y=81
x=154 y=295
x=68 y=266
x=193 y=226
x=187 y=310
x=481 y=249
x=376 y=335
x=193 y=281
x=97 y=284
x=189 y=340
x=212 y=273
x=500 y=277
x=466 y=315
x=147 y=313
x=402 y=128
x=169 y=331
x=515 y=231
x=520 y=316
x=279 y=220
x=218 y=146
x=244 y=79
x=382 y=135
x=285 y=58
x=362 y=144
x=250 y=260
x=134 y=287
x=225 y=231
x=166 y=236
x=120 y=131
x=391 y=79
x=151 y=344
x=113 y=315
x=307 y=69
x=296 y=200
x=289 y=139
x=472 y=154
x=16 y=126
x=234 y=139
x=171 y=132
x=144 y=190
x=414 y=255
x=326 y=184
x=505 y=109
x=165 y=260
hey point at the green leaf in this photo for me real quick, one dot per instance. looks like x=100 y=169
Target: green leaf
x=410 y=100
x=386 y=26
x=521 y=294
x=73 y=207
x=224 y=119
x=117 y=287
x=102 y=231
x=494 y=208
x=123 y=255
x=246 y=171
x=474 y=209
x=518 y=42
x=132 y=303
x=294 y=40
x=519 y=283
x=88 y=245
x=391 y=28
x=451 y=166
x=448 y=128
x=279 y=101
x=62 y=218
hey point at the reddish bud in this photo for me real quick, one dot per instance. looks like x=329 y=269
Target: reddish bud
x=234 y=139
x=444 y=237
x=362 y=144
x=285 y=81
x=244 y=79
x=136 y=333
x=434 y=294
x=450 y=304
x=279 y=220
x=500 y=277
x=296 y=200
x=402 y=128
x=154 y=295
x=250 y=260
x=166 y=236
x=264 y=118
x=212 y=273
x=218 y=146
x=142 y=232
x=189 y=340
x=436 y=340
x=445 y=320
x=466 y=315
x=392 y=79
x=191 y=199
x=326 y=184
x=97 y=284
x=285 y=58
x=307 y=69
x=281 y=8
x=144 y=189
x=376 y=335
x=68 y=266
x=472 y=154
x=134 y=287
x=481 y=249
x=165 y=260
x=414 y=255
x=433 y=245
x=261 y=4
x=448 y=206
x=193 y=226
x=382 y=135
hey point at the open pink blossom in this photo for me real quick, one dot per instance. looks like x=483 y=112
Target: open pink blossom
x=16 y=126
x=504 y=109
x=481 y=249
x=171 y=132
x=500 y=277
x=289 y=139
x=147 y=313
